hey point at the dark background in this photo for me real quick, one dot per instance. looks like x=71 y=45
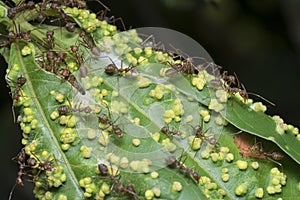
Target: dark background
x=258 y=40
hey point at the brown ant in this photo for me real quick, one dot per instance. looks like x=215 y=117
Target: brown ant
x=103 y=169
x=242 y=92
x=70 y=26
x=199 y=133
x=256 y=150
x=13 y=11
x=104 y=119
x=112 y=68
x=102 y=16
x=82 y=67
x=172 y=162
x=64 y=109
x=94 y=49
x=19 y=83
x=166 y=130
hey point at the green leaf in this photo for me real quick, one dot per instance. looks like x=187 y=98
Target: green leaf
x=116 y=119
x=261 y=125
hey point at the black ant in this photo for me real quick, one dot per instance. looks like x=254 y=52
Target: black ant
x=166 y=130
x=103 y=169
x=172 y=162
x=104 y=119
x=13 y=11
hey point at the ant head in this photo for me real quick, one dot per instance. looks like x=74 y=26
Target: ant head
x=103 y=169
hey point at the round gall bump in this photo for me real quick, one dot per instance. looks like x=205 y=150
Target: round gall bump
x=149 y=194
x=241 y=189
x=259 y=193
x=176 y=186
x=229 y=157
x=242 y=165
x=156 y=192
x=255 y=165
x=154 y=175
x=136 y=142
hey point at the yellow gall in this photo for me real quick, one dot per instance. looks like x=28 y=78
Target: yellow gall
x=156 y=192
x=154 y=174
x=241 y=189
x=105 y=188
x=176 y=186
x=195 y=143
x=136 y=142
x=156 y=136
x=255 y=165
x=271 y=190
x=225 y=177
x=59 y=97
x=259 y=193
x=242 y=165
x=229 y=157
x=149 y=194
x=124 y=162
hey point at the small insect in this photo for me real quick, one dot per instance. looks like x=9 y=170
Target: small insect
x=242 y=92
x=94 y=49
x=200 y=133
x=102 y=16
x=24 y=6
x=166 y=130
x=172 y=162
x=70 y=26
x=49 y=39
x=112 y=68
x=103 y=169
x=20 y=82
x=20 y=158
x=255 y=150
x=104 y=119
x=67 y=75
x=82 y=67
x=64 y=109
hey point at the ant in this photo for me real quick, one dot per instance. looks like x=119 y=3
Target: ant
x=20 y=158
x=64 y=109
x=103 y=118
x=82 y=67
x=70 y=26
x=166 y=130
x=199 y=133
x=103 y=169
x=94 y=49
x=13 y=11
x=242 y=92
x=50 y=39
x=172 y=162
x=19 y=83
x=112 y=68
x=258 y=152
x=102 y=16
